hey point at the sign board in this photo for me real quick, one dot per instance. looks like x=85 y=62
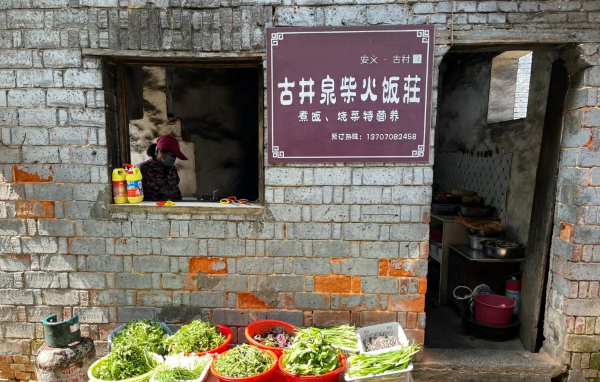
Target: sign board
x=350 y=94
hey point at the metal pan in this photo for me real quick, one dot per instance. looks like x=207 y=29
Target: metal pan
x=491 y=250
x=476 y=211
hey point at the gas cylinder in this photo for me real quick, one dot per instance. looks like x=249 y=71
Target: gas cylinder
x=65 y=356
x=119 y=183
x=135 y=190
x=513 y=291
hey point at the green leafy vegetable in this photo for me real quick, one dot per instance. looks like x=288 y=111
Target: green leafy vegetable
x=362 y=365
x=243 y=361
x=180 y=367
x=310 y=354
x=341 y=336
x=196 y=337
x=145 y=333
x=175 y=375
x=123 y=362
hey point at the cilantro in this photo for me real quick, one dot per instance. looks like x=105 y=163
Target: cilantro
x=243 y=361
x=196 y=337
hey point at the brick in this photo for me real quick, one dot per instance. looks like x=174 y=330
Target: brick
x=102 y=228
x=304 y=195
x=255 y=265
x=359 y=302
x=207 y=265
x=333 y=176
x=180 y=247
x=285 y=283
x=379 y=250
x=16 y=297
x=87 y=280
x=25 y=19
x=62 y=58
x=55 y=227
x=212 y=229
x=33 y=136
x=59 y=297
x=32 y=78
x=37 y=117
x=360 y=231
x=41 y=39
x=311 y=301
x=230 y=317
x=208 y=299
x=379 y=284
x=39 y=245
x=37 y=314
x=15 y=263
x=376 y=318
x=411 y=195
x=131 y=246
x=227 y=248
x=108 y=298
x=87 y=117
x=419 y=8
x=293 y=317
x=284 y=248
x=362 y=195
x=408 y=268
x=333 y=284
x=387 y=14
x=577 y=99
x=26 y=97
x=236 y=283
x=42 y=280
x=313 y=230
x=584 y=271
x=66 y=97
x=311 y=266
x=330 y=318
x=7 y=78
x=126 y=314
x=407 y=303
x=256 y=230
x=581 y=343
x=409 y=232
x=283 y=176
x=133 y=281
x=331 y=213
x=345 y=15
x=15 y=59
x=360 y=267
x=20 y=330
x=257 y=300
x=150 y=228
x=105 y=263
x=286 y=213
x=331 y=248
x=155 y=298
x=70 y=173
x=92 y=315
x=143 y=264
x=380 y=214
x=83 y=78
x=11 y=192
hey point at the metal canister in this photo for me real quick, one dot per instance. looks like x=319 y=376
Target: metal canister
x=65 y=356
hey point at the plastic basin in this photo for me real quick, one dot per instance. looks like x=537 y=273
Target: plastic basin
x=141 y=378
x=493 y=310
x=264 y=377
x=226 y=332
x=332 y=376
x=260 y=326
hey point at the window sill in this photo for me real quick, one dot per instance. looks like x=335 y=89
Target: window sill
x=197 y=208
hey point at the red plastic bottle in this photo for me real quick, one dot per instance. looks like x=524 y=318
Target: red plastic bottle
x=513 y=291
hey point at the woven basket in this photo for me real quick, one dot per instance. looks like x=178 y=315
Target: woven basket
x=141 y=378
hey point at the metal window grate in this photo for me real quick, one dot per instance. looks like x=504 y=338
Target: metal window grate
x=484 y=172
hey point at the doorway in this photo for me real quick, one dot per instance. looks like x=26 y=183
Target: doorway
x=497 y=145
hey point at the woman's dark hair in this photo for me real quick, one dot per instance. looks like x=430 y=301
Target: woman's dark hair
x=151 y=151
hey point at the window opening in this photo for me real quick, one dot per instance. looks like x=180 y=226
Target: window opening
x=213 y=112
x=509 y=86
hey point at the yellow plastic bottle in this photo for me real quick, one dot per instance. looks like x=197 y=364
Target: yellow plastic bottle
x=135 y=190
x=119 y=183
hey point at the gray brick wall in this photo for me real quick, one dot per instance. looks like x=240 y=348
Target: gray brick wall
x=336 y=243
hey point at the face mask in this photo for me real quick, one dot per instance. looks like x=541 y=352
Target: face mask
x=170 y=161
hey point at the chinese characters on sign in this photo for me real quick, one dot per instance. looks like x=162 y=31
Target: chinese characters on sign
x=349 y=94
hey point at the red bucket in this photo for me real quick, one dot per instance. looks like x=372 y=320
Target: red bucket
x=332 y=376
x=264 y=377
x=260 y=326
x=493 y=310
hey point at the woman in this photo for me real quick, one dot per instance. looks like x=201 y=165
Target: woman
x=159 y=175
